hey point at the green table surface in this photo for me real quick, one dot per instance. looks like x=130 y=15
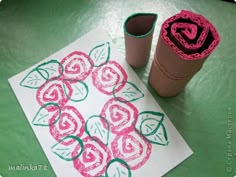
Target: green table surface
x=204 y=113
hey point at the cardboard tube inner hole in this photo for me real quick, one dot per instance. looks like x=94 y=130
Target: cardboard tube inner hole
x=140 y=24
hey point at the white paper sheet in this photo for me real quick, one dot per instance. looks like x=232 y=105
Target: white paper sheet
x=93 y=116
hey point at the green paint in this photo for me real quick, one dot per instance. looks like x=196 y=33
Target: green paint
x=39 y=75
x=97 y=128
x=151 y=114
x=80 y=91
x=160 y=138
x=155 y=132
x=130 y=92
x=94 y=125
x=65 y=152
x=34 y=79
x=51 y=67
x=42 y=116
x=149 y=127
x=100 y=54
x=119 y=171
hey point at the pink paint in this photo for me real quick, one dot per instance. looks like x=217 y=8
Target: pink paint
x=189 y=31
x=52 y=92
x=120 y=115
x=109 y=75
x=132 y=148
x=70 y=122
x=93 y=160
x=77 y=66
x=193 y=38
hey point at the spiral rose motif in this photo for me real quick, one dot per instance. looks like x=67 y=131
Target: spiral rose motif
x=52 y=92
x=93 y=160
x=190 y=35
x=132 y=148
x=109 y=75
x=70 y=122
x=120 y=115
x=77 y=66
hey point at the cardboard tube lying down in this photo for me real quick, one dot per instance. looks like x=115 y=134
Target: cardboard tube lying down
x=185 y=42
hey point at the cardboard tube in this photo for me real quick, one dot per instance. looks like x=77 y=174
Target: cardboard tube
x=165 y=84
x=173 y=63
x=185 y=42
x=138 y=32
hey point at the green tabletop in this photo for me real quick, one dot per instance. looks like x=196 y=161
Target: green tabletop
x=204 y=113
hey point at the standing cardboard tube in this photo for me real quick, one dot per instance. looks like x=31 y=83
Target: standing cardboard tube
x=138 y=32
x=185 y=42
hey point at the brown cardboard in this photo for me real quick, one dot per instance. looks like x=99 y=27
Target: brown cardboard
x=138 y=32
x=164 y=84
x=173 y=63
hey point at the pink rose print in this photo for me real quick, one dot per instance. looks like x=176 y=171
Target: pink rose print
x=52 y=92
x=109 y=75
x=93 y=160
x=120 y=115
x=70 y=122
x=77 y=66
x=132 y=148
